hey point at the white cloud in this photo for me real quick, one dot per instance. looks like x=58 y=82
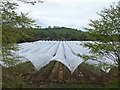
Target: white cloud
x=70 y=13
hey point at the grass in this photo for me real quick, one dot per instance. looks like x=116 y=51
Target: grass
x=78 y=85
x=13 y=77
x=113 y=84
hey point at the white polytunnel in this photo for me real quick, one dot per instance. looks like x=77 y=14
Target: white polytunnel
x=41 y=53
x=72 y=59
x=52 y=51
x=60 y=56
x=77 y=49
x=39 y=60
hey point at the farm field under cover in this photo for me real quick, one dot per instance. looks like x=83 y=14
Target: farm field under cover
x=54 y=63
x=40 y=53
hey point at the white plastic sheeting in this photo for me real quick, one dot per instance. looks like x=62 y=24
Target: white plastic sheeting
x=60 y=56
x=72 y=59
x=77 y=48
x=40 y=53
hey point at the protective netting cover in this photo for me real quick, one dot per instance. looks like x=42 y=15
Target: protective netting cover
x=41 y=53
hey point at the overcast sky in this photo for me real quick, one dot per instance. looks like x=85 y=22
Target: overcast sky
x=68 y=13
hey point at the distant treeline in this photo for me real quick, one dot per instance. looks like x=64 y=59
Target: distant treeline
x=56 y=33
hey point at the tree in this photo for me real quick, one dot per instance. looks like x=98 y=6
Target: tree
x=24 y=21
x=106 y=33
x=13 y=28
x=11 y=22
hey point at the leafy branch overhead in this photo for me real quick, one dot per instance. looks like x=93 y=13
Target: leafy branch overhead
x=106 y=32
x=12 y=22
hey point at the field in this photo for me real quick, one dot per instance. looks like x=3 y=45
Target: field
x=56 y=75
x=54 y=64
x=59 y=44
